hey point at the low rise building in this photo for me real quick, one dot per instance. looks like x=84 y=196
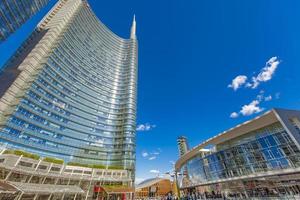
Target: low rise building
x=27 y=176
x=153 y=188
x=258 y=158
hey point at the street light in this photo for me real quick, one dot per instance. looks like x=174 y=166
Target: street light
x=174 y=175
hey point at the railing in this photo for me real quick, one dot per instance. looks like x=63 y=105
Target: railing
x=11 y=162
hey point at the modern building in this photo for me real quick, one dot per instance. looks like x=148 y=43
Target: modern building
x=13 y=14
x=154 y=188
x=28 y=176
x=258 y=158
x=69 y=92
x=183 y=146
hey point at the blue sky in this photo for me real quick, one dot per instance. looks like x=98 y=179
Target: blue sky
x=189 y=54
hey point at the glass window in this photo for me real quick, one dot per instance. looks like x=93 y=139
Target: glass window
x=263 y=143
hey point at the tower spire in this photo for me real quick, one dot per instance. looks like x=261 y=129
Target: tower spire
x=133 y=29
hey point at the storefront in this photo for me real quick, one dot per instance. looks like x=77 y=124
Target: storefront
x=113 y=192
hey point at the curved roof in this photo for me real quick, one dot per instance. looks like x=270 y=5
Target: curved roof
x=149 y=182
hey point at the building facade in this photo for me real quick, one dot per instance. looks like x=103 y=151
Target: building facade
x=24 y=176
x=69 y=92
x=258 y=158
x=182 y=144
x=13 y=14
x=154 y=188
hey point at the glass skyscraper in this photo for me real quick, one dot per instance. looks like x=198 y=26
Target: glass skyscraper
x=69 y=92
x=14 y=13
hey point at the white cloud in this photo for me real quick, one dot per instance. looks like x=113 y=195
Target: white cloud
x=152 y=158
x=268 y=98
x=254 y=107
x=266 y=73
x=156 y=153
x=145 y=154
x=145 y=127
x=154 y=171
x=151 y=155
x=260 y=97
x=234 y=115
x=237 y=82
x=251 y=108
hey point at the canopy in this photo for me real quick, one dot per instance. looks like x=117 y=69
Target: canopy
x=31 y=188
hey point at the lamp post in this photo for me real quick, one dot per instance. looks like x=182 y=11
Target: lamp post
x=174 y=175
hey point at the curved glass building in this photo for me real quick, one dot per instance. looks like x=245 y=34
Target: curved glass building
x=258 y=158
x=13 y=14
x=70 y=90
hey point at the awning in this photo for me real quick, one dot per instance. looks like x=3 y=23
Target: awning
x=31 y=188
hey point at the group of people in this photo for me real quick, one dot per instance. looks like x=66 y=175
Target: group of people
x=205 y=195
x=239 y=195
x=169 y=196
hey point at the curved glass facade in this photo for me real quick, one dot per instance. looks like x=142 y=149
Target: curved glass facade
x=257 y=158
x=14 y=14
x=264 y=150
x=80 y=105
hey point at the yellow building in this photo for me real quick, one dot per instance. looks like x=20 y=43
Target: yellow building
x=155 y=187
